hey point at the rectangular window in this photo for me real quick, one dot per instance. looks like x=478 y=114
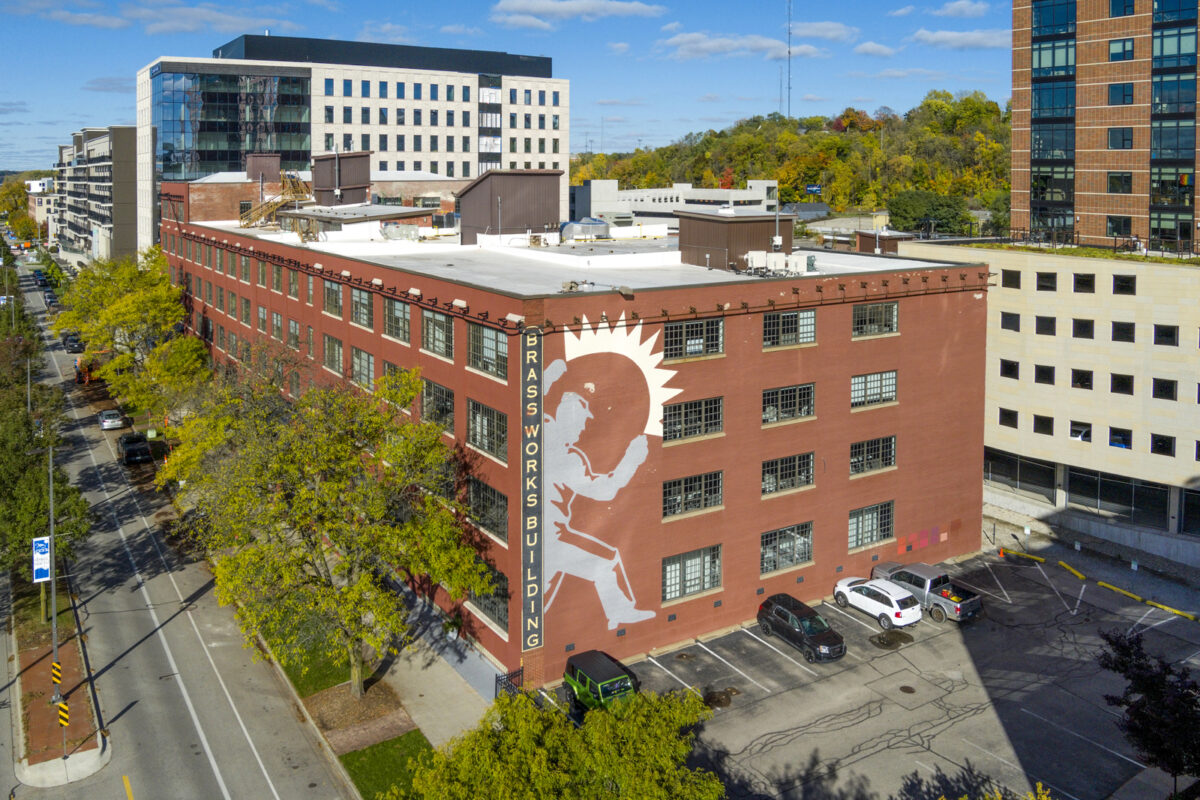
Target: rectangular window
x=329 y=87
x=437 y=333
x=786 y=547
x=1008 y=418
x=1173 y=94
x=347 y=87
x=1053 y=58
x=1174 y=10
x=333 y=354
x=488 y=508
x=1010 y=321
x=692 y=493
x=878 y=387
x=1124 y=284
x=693 y=338
x=1165 y=389
x=383 y=90
x=1120 y=138
x=871 y=524
x=309 y=290
x=329 y=115
x=1120 y=384
x=433 y=118
x=1120 y=50
x=262 y=318
x=1081 y=431
x=1053 y=16
x=1120 y=8
x=1053 y=100
x=347 y=115
x=1120 y=183
x=1010 y=369
x=1083 y=329
x=487 y=429
x=487 y=350
x=1010 y=278
x=366 y=88
x=1174 y=47
x=1047 y=281
x=246 y=311
x=1045 y=326
x=362 y=308
x=788 y=402
x=1166 y=335
x=691 y=573
x=1161 y=445
x=1123 y=331
x=245 y=269
x=416 y=91
x=789 y=327
x=277 y=277
x=1120 y=94
x=1120 y=437
x=1043 y=425
x=333 y=297
x=1043 y=373
x=694 y=418
x=383 y=146
x=433 y=92
x=365 y=116
x=872 y=454
x=293 y=334
x=1053 y=141
x=875 y=318
x=399 y=90
x=395 y=319
x=437 y=405
x=362 y=368
x=1081 y=379
x=262 y=274
x=365 y=139
x=276 y=325
x=494 y=605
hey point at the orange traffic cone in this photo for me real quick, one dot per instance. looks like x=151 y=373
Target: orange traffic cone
x=1002 y=552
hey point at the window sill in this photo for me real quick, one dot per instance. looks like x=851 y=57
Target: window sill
x=774 y=348
x=785 y=570
x=486 y=620
x=688 y=359
x=332 y=372
x=874 y=406
x=438 y=356
x=495 y=539
x=869 y=472
x=362 y=327
x=483 y=453
x=688 y=597
x=786 y=492
x=691 y=514
x=488 y=375
x=867 y=336
x=331 y=315
x=789 y=421
x=393 y=339
x=688 y=439
x=891 y=540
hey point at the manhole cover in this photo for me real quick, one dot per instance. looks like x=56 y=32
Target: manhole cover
x=908 y=690
x=718 y=698
x=890 y=640
x=684 y=656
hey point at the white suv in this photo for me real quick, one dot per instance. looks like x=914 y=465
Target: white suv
x=892 y=606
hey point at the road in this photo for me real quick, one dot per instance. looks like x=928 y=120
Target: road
x=190 y=713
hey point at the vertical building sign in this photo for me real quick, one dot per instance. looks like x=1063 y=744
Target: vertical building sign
x=532 y=634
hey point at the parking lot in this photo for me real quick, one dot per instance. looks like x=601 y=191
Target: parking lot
x=1014 y=698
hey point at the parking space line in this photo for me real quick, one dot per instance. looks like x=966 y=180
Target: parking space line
x=754 y=636
x=925 y=766
x=1055 y=588
x=848 y=616
x=1005 y=599
x=542 y=692
x=1164 y=621
x=1189 y=658
x=1018 y=768
x=1079 y=599
x=682 y=682
x=1086 y=739
x=706 y=649
x=1149 y=611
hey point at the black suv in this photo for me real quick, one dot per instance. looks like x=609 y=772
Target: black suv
x=132 y=448
x=801 y=626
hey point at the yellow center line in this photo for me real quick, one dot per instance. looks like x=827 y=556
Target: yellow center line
x=128 y=788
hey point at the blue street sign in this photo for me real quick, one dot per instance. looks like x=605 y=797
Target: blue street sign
x=813 y=188
x=41 y=559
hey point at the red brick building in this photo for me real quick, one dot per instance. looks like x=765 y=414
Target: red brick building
x=655 y=446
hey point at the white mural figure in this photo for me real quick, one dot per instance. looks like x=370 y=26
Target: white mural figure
x=569 y=472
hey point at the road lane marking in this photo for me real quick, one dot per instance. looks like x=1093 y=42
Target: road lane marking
x=1086 y=739
x=756 y=637
x=850 y=617
x=1018 y=768
x=1079 y=599
x=128 y=788
x=1055 y=588
x=687 y=685
x=996 y=578
x=712 y=653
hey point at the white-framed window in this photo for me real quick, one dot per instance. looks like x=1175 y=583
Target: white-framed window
x=396 y=319
x=333 y=297
x=872 y=454
x=362 y=308
x=487 y=350
x=789 y=327
x=871 y=524
x=789 y=472
x=693 y=418
x=877 y=387
x=695 y=337
x=785 y=547
x=788 y=402
x=437 y=333
x=873 y=318
x=362 y=368
x=692 y=493
x=691 y=573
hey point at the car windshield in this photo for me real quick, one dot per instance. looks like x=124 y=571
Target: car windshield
x=616 y=688
x=906 y=602
x=814 y=625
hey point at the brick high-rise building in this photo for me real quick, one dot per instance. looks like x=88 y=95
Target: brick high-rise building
x=1104 y=120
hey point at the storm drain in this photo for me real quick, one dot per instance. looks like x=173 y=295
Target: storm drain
x=908 y=690
x=720 y=698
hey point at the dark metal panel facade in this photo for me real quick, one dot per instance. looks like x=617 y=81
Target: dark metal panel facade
x=509 y=201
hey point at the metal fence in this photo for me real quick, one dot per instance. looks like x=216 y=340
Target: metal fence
x=510 y=683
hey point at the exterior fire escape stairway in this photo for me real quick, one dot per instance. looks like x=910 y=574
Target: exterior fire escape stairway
x=293 y=190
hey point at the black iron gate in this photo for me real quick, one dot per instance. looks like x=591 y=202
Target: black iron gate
x=510 y=683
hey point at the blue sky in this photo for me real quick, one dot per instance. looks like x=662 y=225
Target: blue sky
x=642 y=73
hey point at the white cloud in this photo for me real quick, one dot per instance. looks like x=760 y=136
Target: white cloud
x=875 y=49
x=619 y=48
x=328 y=5
x=171 y=16
x=116 y=85
x=832 y=31
x=690 y=46
x=671 y=27
x=17 y=107
x=903 y=11
x=538 y=14
x=964 y=40
x=387 y=32
x=634 y=101
x=522 y=21
x=91 y=20
x=912 y=72
x=461 y=30
x=963 y=8
x=813 y=98
x=709 y=98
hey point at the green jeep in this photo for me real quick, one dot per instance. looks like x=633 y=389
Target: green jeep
x=594 y=679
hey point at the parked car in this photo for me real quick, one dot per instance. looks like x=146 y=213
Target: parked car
x=132 y=448
x=595 y=679
x=932 y=587
x=73 y=344
x=801 y=627
x=111 y=420
x=50 y=298
x=890 y=605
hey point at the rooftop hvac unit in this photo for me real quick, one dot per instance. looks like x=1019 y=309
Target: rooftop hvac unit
x=777 y=262
x=756 y=259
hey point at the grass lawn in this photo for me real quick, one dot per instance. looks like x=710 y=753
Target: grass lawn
x=29 y=628
x=377 y=768
x=316 y=673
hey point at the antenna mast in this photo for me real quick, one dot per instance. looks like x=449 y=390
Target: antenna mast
x=789 y=43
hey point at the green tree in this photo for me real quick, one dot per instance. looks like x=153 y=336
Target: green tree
x=307 y=506
x=916 y=210
x=22 y=225
x=638 y=749
x=1161 y=705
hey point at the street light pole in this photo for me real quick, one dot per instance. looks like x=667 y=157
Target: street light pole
x=53 y=577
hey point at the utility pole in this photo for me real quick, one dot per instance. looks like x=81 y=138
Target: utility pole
x=53 y=574
x=789 y=58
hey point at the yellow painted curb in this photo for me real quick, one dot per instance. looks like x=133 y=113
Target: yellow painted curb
x=1192 y=617
x=1130 y=595
x=1072 y=570
x=1030 y=556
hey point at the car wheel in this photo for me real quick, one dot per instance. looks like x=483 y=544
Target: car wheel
x=938 y=613
x=765 y=628
x=841 y=599
x=572 y=700
x=809 y=657
x=885 y=622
